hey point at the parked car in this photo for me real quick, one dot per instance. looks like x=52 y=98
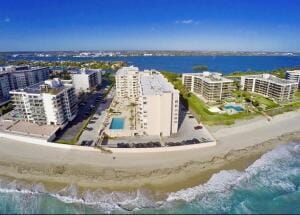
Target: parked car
x=87 y=142
x=198 y=127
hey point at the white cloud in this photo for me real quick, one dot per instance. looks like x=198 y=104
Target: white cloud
x=187 y=22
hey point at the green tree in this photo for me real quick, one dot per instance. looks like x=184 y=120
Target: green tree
x=200 y=68
x=255 y=103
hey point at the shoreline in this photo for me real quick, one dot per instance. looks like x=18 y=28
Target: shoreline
x=238 y=147
x=180 y=177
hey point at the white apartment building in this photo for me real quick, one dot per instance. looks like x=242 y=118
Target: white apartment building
x=86 y=80
x=158 y=104
x=158 y=101
x=15 y=77
x=293 y=75
x=270 y=86
x=49 y=102
x=127 y=82
x=211 y=86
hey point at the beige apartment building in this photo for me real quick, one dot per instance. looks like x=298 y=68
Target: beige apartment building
x=158 y=101
x=211 y=86
x=47 y=103
x=127 y=82
x=158 y=104
x=280 y=90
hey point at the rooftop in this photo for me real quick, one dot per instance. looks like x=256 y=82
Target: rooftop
x=125 y=70
x=18 y=69
x=27 y=128
x=210 y=77
x=155 y=84
x=84 y=71
x=296 y=72
x=53 y=86
x=272 y=78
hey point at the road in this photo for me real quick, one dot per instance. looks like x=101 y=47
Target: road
x=91 y=133
x=84 y=111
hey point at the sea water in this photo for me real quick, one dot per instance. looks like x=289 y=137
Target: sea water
x=181 y=64
x=270 y=185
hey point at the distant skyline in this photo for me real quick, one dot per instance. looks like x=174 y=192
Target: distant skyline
x=201 y=25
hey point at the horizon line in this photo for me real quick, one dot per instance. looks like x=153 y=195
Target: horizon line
x=151 y=50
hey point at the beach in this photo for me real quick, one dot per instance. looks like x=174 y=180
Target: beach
x=238 y=146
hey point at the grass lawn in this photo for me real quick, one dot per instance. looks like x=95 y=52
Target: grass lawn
x=285 y=108
x=200 y=108
x=269 y=103
x=210 y=118
x=261 y=100
x=297 y=95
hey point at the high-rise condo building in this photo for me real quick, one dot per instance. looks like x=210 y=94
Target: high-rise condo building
x=127 y=82
x=158 y=104
x=49 y=102
x=158 y=101
x=280 y=90
x=15 y=77
x=210 y=86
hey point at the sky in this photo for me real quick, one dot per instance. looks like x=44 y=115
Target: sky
x=202 y=25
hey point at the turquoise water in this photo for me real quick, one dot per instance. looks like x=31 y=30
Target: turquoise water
x=235 y=107
x=180 y=64
x=117 y=123
x=270 y=185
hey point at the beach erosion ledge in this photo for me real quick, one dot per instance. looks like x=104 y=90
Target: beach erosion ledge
x=238 y=146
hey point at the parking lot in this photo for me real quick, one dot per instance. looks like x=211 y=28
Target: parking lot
x=85 y=109
x=189 y=132
x=91 y=133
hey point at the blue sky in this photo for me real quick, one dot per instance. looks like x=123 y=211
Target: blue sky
x=221 y=25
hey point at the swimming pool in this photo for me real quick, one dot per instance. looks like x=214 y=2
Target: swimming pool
x=117 y=123
x=234 y=107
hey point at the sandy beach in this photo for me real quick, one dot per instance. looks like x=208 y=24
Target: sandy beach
x=237 y=147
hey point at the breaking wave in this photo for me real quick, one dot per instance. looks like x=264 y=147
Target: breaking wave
x=270 y=185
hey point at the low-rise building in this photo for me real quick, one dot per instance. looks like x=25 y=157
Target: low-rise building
x=210 y=86
x=158 y=104
x=127 y=82
x=15 y=77
x=46 y=103
x=293 y=75
x=280 y=90
x=86 y=80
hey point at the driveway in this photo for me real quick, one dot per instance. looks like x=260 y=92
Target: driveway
x=84 y=112
x=93 y=128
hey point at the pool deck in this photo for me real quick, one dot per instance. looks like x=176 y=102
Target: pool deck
x=122 y=108
x=186 y=132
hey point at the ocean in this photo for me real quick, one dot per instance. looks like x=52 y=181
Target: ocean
x=181 y=64
x=270 y=185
